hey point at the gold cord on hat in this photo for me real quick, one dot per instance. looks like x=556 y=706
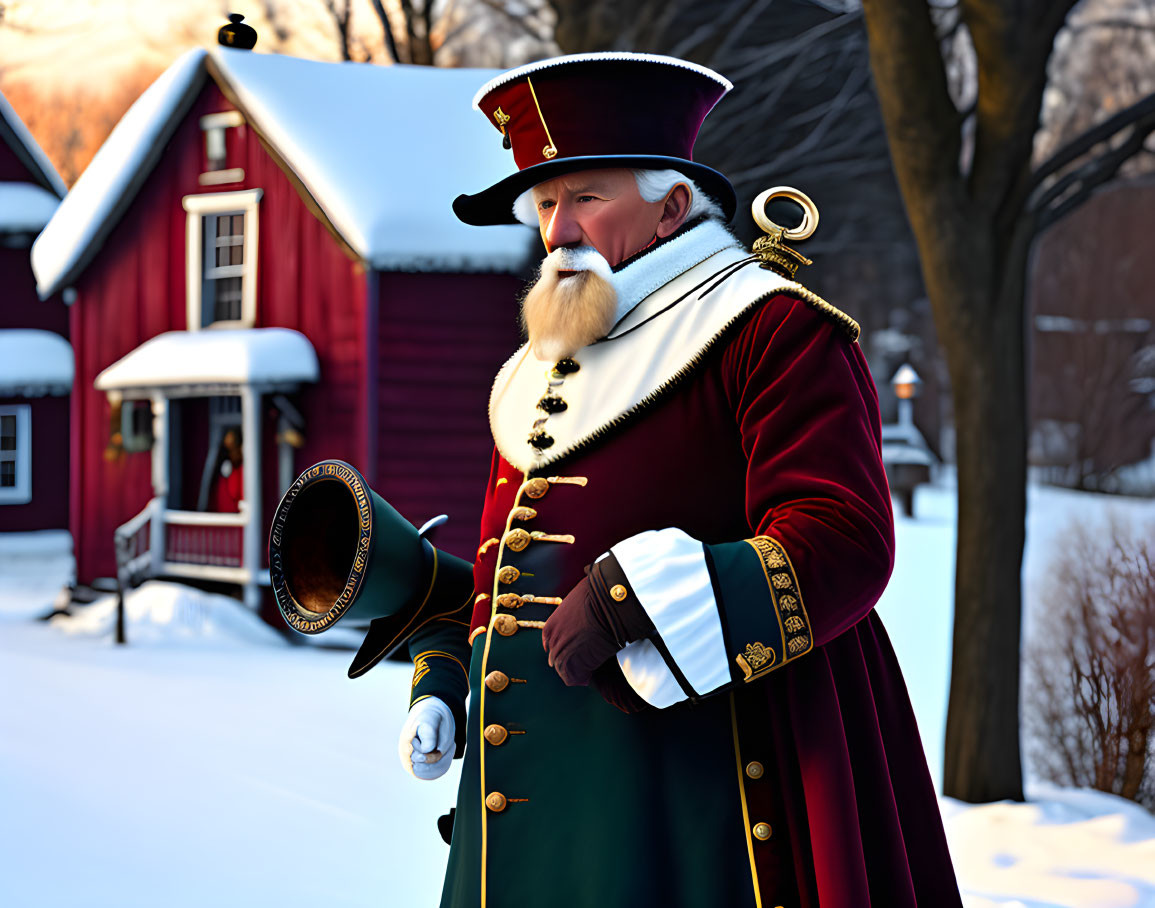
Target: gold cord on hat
x=550 y=150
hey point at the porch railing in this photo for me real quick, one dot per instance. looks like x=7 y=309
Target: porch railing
x=161 y=542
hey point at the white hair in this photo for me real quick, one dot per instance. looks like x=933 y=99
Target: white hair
x=653 y=185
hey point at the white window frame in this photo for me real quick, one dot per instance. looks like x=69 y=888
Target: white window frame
x=214 y=125
x=244 y=201
x=21 y=493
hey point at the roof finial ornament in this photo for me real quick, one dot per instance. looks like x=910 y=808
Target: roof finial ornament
x=771 y=249
x=237 y=34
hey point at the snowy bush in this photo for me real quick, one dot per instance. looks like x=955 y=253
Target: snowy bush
x=1089 y=710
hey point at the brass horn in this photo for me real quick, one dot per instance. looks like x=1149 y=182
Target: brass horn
x=338 y=550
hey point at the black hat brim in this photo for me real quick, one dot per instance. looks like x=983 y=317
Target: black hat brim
x=495 y=205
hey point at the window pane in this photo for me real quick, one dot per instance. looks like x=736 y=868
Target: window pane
x=222 y=255
x=7 y=474
x=228 y=299
x=238 y=257
x=223 y=225
x=238 y=225
x=7 y=433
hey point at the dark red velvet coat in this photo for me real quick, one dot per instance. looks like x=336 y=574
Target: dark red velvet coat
x=773 y=431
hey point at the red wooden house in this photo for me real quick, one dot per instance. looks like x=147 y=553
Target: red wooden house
x=265 y=245
x=35 y=357
x=1093 y=344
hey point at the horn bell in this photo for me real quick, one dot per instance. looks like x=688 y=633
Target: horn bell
x=338 y=550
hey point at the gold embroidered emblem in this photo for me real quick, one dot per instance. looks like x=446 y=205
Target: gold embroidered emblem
x=757 y=655
x=788 y=603
x=794 y=623
x=501 y=117
x=756 y=659
x=798 y=645
x=780 y=581
x=549 y=152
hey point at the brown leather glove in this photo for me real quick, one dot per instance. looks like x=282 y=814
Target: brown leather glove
x=598 y=617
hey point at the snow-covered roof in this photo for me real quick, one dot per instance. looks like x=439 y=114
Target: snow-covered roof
x=25 y=207
x=33 y=156
x=232 y=356
x=34 y=363
x=383 y=150
x=117 y=170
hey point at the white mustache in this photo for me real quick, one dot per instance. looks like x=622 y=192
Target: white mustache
x=578 y=258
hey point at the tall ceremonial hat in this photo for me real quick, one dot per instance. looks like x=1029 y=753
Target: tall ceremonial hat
x=586 y=111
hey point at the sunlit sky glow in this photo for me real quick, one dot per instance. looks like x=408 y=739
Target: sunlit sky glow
x=72 y=43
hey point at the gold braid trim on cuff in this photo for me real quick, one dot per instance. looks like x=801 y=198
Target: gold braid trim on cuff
x=421 y=665
x=793 y=622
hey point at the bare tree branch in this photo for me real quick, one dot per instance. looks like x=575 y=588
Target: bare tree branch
x=1095 y=173
x=1080 y=145
x=387 y=31
x=521 y=22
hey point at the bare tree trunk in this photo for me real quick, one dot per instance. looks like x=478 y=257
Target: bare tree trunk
x=983 y=761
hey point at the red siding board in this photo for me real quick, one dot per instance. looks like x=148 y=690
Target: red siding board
x=442 y=338
x=21 y=308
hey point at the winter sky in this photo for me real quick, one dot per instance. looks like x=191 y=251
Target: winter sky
x=72 y=43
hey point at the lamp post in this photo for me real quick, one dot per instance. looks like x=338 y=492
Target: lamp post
x=904 y=451
x=906 y=387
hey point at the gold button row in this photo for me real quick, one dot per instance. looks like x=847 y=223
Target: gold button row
x=506 y=625
x=508 y=574
x=497 y=681
x=517 y=540
x=535 y=488
x=496 y=801
x=496 y=734
x=761 y=831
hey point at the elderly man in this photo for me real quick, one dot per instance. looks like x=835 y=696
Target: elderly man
x=679 y=691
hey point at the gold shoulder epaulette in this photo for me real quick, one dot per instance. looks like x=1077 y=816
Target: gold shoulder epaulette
x=776 y=256
x=836 y=315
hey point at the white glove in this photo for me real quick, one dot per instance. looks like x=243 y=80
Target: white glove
x=429 y=731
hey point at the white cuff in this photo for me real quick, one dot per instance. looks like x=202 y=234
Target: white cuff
x=667 y=571
x=646 y=670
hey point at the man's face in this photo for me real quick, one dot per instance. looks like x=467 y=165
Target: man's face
x=599 y=208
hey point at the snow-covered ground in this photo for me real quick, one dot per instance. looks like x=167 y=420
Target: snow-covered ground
x=209 y=762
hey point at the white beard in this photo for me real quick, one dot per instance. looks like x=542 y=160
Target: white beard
x=563 y=314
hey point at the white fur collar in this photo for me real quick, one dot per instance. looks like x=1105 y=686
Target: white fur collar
x=657 y=267
x=676 y=300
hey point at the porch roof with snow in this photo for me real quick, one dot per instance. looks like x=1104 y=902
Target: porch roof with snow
x=214 y=358
x=383 y=150
x=34 y=363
